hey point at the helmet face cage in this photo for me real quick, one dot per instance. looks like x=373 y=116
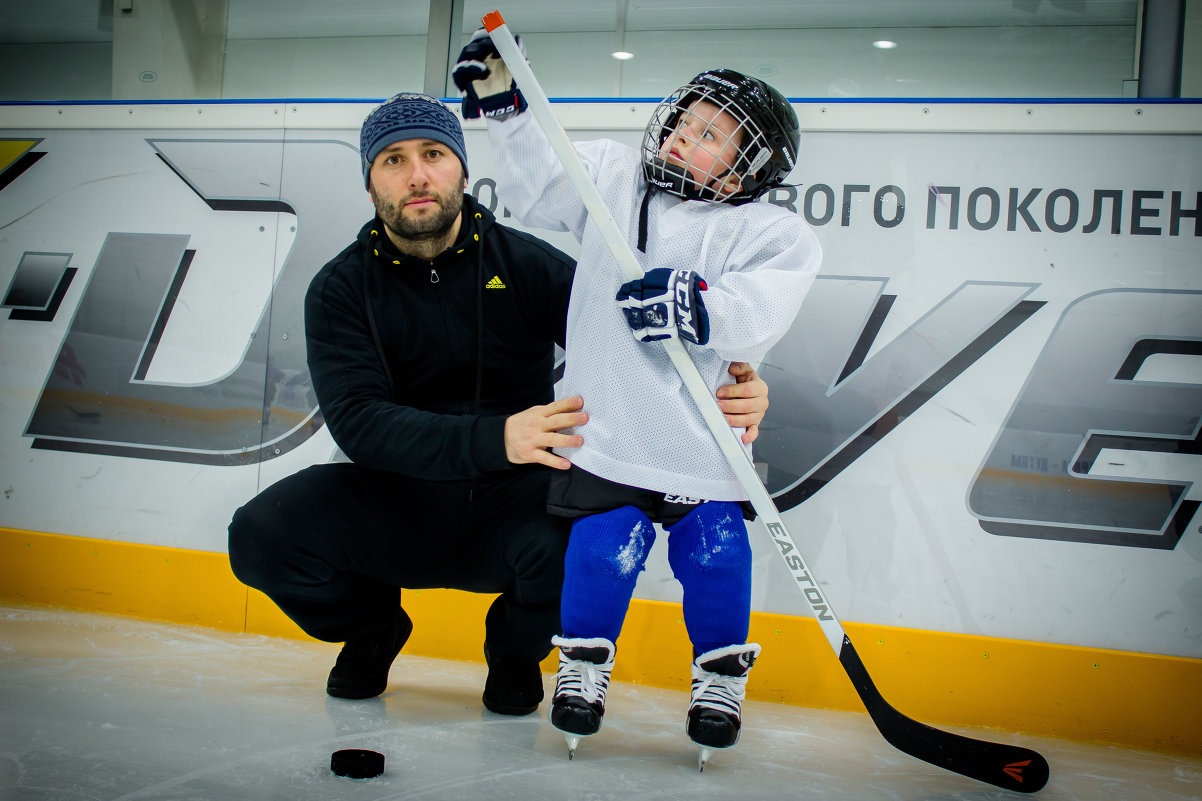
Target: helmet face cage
x=760 y=155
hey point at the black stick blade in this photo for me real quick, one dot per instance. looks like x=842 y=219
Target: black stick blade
x=1010 y=767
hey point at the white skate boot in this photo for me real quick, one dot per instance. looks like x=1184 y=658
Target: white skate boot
x=578 y=705
x=719 y=682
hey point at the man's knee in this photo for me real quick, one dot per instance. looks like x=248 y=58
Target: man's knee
x=267 y=534
x=537 y=559
x=254 y=543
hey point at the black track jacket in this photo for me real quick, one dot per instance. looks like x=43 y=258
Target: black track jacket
x=417 y=363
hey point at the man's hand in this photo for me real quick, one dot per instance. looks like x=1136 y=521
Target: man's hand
x=530 y=434
x=745 y=401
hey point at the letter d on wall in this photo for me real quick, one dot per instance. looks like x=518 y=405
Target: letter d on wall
x=265 y=406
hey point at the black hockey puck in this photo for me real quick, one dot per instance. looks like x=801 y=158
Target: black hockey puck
x=357 y=763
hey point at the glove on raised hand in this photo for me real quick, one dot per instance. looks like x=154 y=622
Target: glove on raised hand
x=484 y=82
x=664 y=304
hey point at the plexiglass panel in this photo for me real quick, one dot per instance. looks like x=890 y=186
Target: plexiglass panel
x=240 y=49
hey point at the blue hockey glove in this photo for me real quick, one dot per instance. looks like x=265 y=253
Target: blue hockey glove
x=484 y=81
x=664 y=304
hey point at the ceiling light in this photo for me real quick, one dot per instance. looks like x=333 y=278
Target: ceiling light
x=622 y=55
x=884 y=44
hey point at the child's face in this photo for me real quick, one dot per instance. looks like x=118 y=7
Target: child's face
x=706 y=143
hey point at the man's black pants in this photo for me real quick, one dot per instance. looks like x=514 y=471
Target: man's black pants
x=333 y=545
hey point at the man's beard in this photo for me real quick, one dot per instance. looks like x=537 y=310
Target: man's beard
x=424 y=227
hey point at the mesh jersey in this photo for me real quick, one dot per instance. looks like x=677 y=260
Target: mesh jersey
x=759 y=261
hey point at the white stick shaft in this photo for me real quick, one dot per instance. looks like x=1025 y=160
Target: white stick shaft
x=744 y=470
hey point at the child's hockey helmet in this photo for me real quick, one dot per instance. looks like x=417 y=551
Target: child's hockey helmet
x=769 y=142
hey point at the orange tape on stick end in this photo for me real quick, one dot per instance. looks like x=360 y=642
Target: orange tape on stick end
x=492 y=20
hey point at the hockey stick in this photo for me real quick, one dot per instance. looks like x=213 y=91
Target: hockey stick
x=1007 y=766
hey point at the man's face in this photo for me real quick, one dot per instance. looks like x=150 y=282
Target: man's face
x=417 y=187
x=706 y=143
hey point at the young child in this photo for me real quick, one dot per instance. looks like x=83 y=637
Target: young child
x=725 y=275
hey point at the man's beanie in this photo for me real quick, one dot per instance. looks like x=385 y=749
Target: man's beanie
x=409 y=116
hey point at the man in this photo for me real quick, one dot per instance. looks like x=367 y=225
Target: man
x=431 y=346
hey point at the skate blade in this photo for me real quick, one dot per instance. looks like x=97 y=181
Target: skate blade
x=573 y=743
x=702 y=758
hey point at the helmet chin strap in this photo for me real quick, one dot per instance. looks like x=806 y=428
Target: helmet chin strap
x=675 y=179
x=733 y=188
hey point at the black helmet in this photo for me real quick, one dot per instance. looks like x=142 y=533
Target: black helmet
x=767 y=150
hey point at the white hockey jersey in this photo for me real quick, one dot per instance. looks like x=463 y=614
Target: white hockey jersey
x=759 y=261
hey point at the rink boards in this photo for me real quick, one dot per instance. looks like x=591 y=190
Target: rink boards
x=984 y=422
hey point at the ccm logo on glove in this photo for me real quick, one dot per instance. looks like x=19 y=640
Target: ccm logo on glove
x=664 y=304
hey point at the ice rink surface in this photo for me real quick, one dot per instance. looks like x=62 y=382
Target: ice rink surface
x=96 y=707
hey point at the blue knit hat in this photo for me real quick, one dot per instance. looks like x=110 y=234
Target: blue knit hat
x=409 y=115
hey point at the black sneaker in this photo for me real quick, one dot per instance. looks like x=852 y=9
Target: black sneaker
x=361 y=670
x=512 y=688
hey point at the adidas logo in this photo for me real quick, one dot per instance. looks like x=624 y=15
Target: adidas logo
x=495 y=283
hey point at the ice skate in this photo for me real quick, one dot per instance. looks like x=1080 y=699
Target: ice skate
x=578 y=706
x=719 y=682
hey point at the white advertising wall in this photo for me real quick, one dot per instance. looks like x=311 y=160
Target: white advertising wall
x=985 y=419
